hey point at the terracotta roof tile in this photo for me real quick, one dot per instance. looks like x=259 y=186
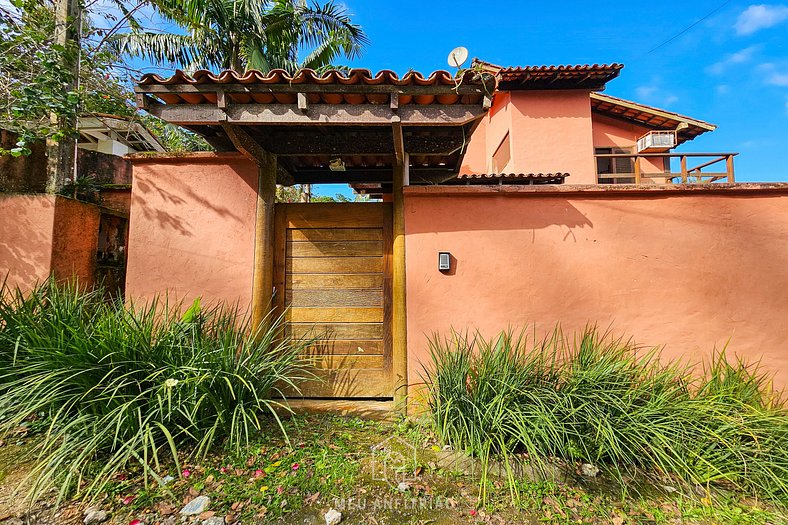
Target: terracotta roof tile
x=583 y=76
x=647 y=116
x=514 y=176
x=308 y=76
x=201 y=87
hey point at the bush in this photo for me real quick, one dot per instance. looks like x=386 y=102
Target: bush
x=125 y=386
x=603 y=400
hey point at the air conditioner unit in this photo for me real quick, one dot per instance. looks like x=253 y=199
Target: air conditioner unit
x=657 y=142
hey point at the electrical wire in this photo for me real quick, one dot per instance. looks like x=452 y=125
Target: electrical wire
x=674 y=37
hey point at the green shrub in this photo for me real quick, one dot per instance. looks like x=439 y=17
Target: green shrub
x=124 y=386
x=603 y=400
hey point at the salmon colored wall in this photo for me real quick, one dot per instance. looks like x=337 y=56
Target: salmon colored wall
x=26 y=226
x=688 y=271
x=612 y=133
x=43 y=235
x=550 y=131
x=191 y=229
x=75 y=242
x=488 y=136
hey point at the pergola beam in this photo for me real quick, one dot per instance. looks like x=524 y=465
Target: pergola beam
x=399 y=140
x=317 y=114
x=251 y=149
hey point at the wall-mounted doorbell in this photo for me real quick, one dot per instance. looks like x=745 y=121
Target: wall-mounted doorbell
x=444 y=261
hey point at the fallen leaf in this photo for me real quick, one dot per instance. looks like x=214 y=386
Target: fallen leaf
x=312 y=498
x=208 y=514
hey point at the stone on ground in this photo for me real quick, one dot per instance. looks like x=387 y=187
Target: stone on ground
x=333 y=517
x=196 y=506
x=94 y=516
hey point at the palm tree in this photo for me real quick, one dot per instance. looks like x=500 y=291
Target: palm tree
x=247 y=34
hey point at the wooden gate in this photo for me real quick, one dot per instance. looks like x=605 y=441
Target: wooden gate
x=333 y=280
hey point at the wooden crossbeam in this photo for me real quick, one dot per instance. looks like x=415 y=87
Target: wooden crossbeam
x=251 y=149
x=317 y=114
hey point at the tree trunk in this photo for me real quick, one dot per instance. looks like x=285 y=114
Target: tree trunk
x=61 y=154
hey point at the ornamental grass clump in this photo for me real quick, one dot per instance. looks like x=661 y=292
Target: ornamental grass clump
x=602 y=400
x=128 y=387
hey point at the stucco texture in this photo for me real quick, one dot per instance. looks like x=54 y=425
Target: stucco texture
x=43 y=235
x=26 y=226
x=690 y=272
x=191 y=229
x=549 y=132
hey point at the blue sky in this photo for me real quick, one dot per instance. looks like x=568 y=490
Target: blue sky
x=730 y=69
x=725 y=62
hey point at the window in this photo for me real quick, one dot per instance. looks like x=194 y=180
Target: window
x=615 y=170
x=502 y=155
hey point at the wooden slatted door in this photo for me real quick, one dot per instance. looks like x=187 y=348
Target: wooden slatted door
x=333 y=280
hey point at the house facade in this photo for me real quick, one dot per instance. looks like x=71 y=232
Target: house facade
x=508 y=197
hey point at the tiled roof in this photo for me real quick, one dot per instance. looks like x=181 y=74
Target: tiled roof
x=585 y=76
x=648 y=116
x=558 y=176
x=201 y=86
x=307 y=76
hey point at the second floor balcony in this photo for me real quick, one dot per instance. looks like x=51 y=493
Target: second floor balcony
x=616 y=167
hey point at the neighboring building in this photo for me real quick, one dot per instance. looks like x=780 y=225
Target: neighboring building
x=115 y=135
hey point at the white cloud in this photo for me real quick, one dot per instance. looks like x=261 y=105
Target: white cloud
x=740 y=57
x=653 y=94
x=774 y=75
x=645 y=91
x=760 y=16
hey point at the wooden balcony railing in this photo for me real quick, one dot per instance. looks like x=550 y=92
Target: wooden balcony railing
x=640 y=166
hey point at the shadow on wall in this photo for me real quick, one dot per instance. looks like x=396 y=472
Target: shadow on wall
x=166 y=200
x=25 y=238
x=505 y=213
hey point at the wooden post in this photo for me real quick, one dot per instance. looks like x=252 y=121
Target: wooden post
x=263 y=275
x=683 y=169
x=729 y=167
x=399 y=328
x=637 y=170
x=267 y=170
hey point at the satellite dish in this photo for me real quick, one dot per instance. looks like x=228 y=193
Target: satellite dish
x=458 y=56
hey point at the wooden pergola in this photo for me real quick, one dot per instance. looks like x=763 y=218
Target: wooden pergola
x=375 y=130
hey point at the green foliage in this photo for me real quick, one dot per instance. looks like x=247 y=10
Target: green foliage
x=603 y=400
x=174 y=138
x=36 y=79
x=131 y=386
x=247 y=34
x=33 y=74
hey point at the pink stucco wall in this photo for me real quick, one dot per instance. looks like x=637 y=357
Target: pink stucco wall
x=43 y=235
x=191 y=229
x=26 y=226
x=549 y=131
x=690 y=270
x=75 y=241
